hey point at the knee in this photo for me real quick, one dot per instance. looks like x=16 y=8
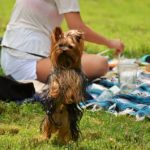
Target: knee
x=94 y=66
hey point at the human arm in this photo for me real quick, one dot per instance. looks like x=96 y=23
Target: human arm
x=74 y=21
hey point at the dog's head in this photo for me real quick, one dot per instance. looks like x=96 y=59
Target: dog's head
x=66 y=49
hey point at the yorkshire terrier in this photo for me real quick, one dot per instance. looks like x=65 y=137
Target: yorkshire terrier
x=66 y=87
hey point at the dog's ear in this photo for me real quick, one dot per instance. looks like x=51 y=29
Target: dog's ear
x=79 y=36
x=56 y=35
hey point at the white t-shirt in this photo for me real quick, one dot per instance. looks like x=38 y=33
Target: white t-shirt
x=31 y=24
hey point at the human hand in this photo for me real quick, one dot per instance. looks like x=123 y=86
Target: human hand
x=117 y=45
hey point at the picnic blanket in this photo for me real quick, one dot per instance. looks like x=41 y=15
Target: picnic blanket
x=136 y=103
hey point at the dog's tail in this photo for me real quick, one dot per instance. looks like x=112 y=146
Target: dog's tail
x=75 y=115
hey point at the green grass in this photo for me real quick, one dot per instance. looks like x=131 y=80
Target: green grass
x=20 y=129
x=5 y=12
x=125 y=19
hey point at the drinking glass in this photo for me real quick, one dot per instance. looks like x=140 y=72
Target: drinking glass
x=127 y=77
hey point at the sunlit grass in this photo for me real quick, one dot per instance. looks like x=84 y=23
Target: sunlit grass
x=124 y=19
x=127 y=20
x=20 y=129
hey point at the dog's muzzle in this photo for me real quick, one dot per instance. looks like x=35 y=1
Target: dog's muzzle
x=64 y=48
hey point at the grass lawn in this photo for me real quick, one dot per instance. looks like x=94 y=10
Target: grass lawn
x=20 y=129
x=125 y=19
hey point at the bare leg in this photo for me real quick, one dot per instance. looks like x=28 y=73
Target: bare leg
x=93 y=66
x=43 y=68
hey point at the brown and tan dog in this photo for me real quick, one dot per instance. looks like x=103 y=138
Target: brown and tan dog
x=66 y=86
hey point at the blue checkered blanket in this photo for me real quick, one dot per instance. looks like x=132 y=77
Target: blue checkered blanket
x=136 y=103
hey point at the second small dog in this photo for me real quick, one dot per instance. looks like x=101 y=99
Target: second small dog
x=66 y=86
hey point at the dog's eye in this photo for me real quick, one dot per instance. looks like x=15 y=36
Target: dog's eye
x=70 y=46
